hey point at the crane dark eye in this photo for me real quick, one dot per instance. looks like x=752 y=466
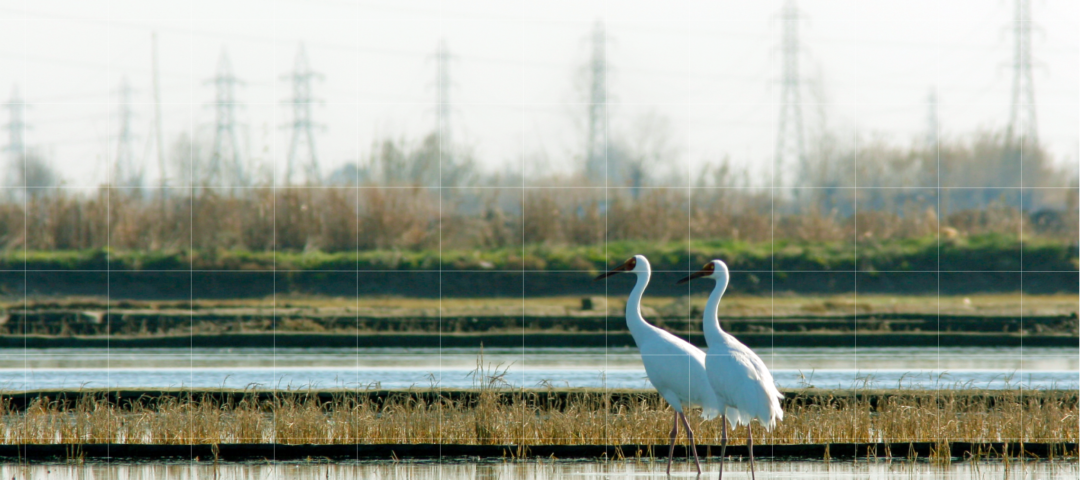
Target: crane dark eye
x=632 y=263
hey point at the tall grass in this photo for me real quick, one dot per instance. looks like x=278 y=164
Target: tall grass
x=496 y=414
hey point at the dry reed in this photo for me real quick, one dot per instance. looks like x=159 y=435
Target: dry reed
x=497 y=415
x=410 y=218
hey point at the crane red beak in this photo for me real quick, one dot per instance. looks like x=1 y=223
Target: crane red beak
x=625 y=267
x=698 y=274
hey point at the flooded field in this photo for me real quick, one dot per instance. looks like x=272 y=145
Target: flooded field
x=974 y=367
x=541 y=470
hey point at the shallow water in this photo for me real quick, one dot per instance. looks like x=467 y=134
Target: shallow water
x=540 y=470
x=975 y=367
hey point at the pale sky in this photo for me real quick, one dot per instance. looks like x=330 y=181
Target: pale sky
x=710 y=67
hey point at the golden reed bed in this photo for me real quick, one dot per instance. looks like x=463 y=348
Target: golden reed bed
x=491 y=415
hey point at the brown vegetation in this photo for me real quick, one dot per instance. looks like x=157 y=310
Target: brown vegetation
x=365 y=218
x=870 y=190
x=492 y=417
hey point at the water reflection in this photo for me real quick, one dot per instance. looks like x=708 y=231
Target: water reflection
x=538 y=470
x=23 y=369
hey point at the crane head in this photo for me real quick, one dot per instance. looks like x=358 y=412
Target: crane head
x=715 y=269
x=634 y=264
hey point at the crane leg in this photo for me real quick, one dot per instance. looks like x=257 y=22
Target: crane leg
x=671 y=446
x=693 y=444
x=750 y=447
x=723 y=443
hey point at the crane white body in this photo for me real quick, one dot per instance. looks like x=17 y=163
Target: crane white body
x=675 y=367
x=736 y=374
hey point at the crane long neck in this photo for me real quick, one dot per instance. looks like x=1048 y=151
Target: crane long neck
x=713 y=332
x=634 y=320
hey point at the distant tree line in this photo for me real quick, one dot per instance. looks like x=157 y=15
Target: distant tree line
x=392 y=199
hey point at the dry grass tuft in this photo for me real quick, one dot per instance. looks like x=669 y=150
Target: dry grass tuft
x=496 y=414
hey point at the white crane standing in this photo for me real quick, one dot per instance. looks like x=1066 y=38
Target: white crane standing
x=737 y=375
x=675 y=367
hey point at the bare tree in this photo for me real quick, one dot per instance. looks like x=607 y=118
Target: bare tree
x=648 y=146
x=32 y=173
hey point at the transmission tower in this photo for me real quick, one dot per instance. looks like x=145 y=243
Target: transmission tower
x=442 y=83
x=1022 y=124
x=595 y=169
x=790 y=149
x=127 y=173
x=225 y=167
x=449 y=172
x=302 y=125
x=932 y=119
x=16 y=125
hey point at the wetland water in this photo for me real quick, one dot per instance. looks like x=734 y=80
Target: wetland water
x=540 y=470
x=903 y=367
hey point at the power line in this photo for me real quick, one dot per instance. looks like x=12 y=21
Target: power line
x=159 y=138
x=16 y=147
x=932 y=120
x=302 y=125
x=127 y=173
x=597 y=142
x=225 y=163
x=442 y=85
x=449 y=173
x=16 y=125
x=1022 y=114
x=790 y=149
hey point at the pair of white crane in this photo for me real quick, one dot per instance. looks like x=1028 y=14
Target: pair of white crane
x=730 y=380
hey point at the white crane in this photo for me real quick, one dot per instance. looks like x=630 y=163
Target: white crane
x=737 y=375
x=675 y=367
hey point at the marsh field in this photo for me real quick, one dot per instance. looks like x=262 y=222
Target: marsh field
x=379 y=240
x=530 y=394
x=1029 y=315
x=491 y=432
x=496 y=415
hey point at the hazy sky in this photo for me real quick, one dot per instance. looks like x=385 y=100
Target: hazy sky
x=710 y=67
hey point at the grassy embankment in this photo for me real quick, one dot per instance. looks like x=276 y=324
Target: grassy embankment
x=976 y=253
x=890 y=287
x=976 y=264
x=837 y=320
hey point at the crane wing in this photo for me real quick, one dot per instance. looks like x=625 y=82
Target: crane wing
x=743 y=382
x=677 y=369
